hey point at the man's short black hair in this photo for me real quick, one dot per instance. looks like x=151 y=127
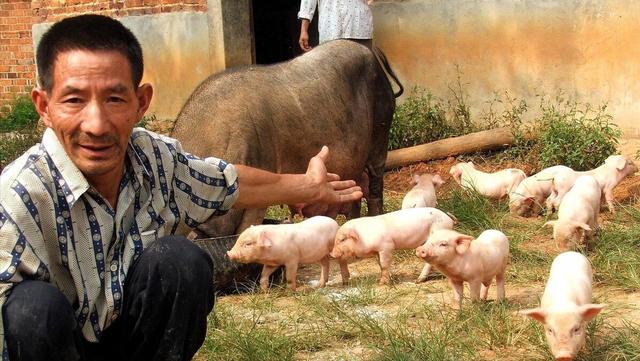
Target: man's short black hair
x=87 y=32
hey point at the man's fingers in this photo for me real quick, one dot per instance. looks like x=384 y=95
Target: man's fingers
x=345 y=184
x=354 y=196
x=349 y=190
x=332 y=177
x=324 y=153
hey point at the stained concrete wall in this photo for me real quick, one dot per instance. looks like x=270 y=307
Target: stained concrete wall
x=589 y=49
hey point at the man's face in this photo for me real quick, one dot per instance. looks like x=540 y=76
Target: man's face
x=92 y=107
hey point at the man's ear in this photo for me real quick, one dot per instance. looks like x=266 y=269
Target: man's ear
x=144 y=93
x=463 y=242
x=40 y=100
x=535 y=313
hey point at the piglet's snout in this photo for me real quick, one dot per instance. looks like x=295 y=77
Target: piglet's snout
x=564 y=358
x=422 y=252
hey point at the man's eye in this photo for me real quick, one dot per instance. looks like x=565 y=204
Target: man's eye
x=115 y=100
x=73 y=100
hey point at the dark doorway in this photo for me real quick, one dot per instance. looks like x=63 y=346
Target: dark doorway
x=276 y=30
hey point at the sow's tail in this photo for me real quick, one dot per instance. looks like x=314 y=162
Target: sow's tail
x=385 y=65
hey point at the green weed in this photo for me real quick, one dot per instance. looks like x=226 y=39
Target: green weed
x=420 y=119
x=22 y=115
x=576 y=135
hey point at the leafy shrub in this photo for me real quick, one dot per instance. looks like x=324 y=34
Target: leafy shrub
x=12 y=145
x=420 y=119
x=23 y=114
x=575 y=135
x=18 y=130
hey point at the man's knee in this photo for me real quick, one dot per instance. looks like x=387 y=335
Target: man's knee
x=180 y=257
x=37 y=310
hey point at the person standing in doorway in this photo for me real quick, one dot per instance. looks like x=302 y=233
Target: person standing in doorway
x=338 y=19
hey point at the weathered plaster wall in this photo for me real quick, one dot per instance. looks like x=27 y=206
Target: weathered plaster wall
x=181 y=49
x=176 y=55
x=17 y=65
x=590 y=49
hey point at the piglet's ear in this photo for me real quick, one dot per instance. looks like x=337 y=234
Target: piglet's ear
x=590 y=310
x=529 y=199
x=535 y=313
x=264 y=240
x=550 y=224
x=618 y=161
x=415 y=179
x=353 y=234
x=462 y=243
x=582 y=225
x=437 y=180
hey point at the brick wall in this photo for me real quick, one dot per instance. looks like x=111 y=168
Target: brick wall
x=17 y=64
x=17 y=70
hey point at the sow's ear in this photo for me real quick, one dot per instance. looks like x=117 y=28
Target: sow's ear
x=264 y=240
x=590 y=310
x=462 y=243
x=535 y=313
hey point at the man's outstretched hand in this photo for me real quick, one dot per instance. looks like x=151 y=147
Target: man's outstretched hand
x=328 y=186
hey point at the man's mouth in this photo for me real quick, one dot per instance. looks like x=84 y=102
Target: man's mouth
x=97 y=150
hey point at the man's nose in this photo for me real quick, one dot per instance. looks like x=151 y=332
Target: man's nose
x=95 y=120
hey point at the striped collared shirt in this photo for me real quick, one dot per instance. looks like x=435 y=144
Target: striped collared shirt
x=55 y=227
x=339 y=19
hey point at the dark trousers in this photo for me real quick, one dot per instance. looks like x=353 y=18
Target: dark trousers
x=168 y=294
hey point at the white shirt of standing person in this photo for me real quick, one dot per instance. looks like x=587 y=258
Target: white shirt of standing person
x=338 y=19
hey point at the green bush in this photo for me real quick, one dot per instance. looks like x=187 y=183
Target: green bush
x=23 y=114
x=13 y=145
x=420 y=119
x=576 y=135
x=18 y=130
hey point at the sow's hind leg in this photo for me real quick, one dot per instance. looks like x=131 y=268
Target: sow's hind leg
x=374 y=202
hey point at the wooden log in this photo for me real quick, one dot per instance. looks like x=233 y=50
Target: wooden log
x=475 y=142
